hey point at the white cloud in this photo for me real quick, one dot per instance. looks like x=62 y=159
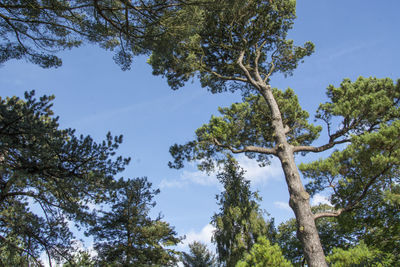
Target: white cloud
x=254 y=173
x=282 y=205
x=260 y=175
x=203 y=236
x=320 y=199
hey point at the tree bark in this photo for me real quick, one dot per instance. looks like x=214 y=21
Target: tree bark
x=299 y=199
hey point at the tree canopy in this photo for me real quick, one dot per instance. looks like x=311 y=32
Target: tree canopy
x=39 y=162
x=36 y=29
x=223 y=38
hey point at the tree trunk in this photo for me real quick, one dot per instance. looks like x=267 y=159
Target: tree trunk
x=299 y=199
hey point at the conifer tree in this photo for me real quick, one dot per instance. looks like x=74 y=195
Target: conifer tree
x=48 y=176
x=127 y=236
x=240 y=222
x=199 y=256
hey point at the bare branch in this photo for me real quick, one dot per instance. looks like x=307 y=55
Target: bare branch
x=329 y=214
x=227 y=78
x=245 y=70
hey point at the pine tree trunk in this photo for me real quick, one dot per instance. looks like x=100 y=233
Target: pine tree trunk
x=299 y=199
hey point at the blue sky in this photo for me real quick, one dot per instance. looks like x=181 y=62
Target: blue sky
x=352 y=38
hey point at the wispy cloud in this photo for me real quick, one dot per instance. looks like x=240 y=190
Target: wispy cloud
x=163 y=102
x=254 y=173
x=347 y=49
x=190 y=177
x=282 y=205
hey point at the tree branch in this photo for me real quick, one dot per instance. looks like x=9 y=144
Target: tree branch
x=319 y=148
x=222 y=77
x=256 y=149
x=245 y=70
x=356 y=202
x=21 y=249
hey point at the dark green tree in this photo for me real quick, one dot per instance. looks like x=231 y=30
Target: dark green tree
x=240 y=221
x=199 y=256
x=127 y=236
x=48 y=176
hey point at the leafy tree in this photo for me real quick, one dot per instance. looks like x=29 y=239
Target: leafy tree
x=360 y=255
x=127 y=236
x=330 y=229
x=377 y=223
x=264 y=254
x=240 y=221
x=48 y=177
x=199 y=256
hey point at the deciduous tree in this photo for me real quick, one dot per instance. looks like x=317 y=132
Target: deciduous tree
x=263 y=253
x=359 y=255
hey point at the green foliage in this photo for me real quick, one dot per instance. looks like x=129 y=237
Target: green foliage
x=199 y=256
x=126 y=235
x=264 y=254
x=246 y=124
x=35 y=29
x=47 y=177
x=377 y=223
x=240 y=221
x=369 y=112
x=362 y=175
x=216 y=33
x=30 y=29
x=360 y=255
x=81 y=259
x=331 y=232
